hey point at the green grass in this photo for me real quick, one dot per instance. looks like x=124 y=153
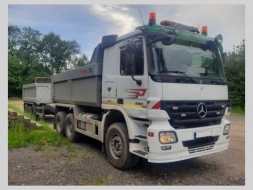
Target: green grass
x=20 y=111
x=238 y=111
x=19 y=136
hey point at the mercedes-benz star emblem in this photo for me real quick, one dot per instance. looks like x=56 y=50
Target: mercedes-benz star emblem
x=201 y=110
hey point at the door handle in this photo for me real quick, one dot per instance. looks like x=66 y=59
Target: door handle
x=120 y=101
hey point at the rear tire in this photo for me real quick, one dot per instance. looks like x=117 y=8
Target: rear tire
x=70 y=132
x=60 y=121
x=117 y=147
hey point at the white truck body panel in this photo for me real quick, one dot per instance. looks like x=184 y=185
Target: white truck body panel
x=176 y=91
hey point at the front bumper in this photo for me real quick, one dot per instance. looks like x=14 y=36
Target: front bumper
x=187 y=146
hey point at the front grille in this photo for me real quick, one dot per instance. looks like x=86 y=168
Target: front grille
x=183 y=114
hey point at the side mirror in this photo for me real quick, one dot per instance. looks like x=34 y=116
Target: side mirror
x=129 y=49
x=131 y=65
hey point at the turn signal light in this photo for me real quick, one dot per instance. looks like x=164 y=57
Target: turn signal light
x=150 y=134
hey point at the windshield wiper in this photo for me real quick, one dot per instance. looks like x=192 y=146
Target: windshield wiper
x=182 y=73
x=216 y=76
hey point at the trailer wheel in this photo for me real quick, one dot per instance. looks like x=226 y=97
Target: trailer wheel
x=25 y=108
x=59 y=122
x=70 y=132
x=30 y=109
x=117 y=147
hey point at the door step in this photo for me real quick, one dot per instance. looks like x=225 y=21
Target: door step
x=141 y=138
x=140 y=153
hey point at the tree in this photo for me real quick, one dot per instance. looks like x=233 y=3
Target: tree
x=56 y=52
x=78 y=61
x=29 y=43
x=36 y=70
x=234 y=65
x=14 y=36
x=23 y=63
x=15 y=79
x=33 y=55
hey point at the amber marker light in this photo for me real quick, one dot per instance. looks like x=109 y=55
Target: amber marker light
x=167 y=22
x=195 y=29
x=204 y=30
x=152 y=18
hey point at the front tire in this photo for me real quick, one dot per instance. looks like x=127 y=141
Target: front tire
x=59 y=122
x=117 y=147
x=70 y=132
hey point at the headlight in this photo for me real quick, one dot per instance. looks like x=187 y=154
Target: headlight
x=167 y=137
x=226 y=129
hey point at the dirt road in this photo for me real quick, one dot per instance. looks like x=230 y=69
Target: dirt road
x=89 y=166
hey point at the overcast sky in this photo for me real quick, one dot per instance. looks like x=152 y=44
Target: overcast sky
x=88 y=23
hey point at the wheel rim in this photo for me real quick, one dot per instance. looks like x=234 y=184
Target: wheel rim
x=116 y=146
x=69 y=129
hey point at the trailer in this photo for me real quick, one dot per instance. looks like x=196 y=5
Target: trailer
x=158 y=92
x=37 y=98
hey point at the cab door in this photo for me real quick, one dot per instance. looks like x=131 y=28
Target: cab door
x=132 y=74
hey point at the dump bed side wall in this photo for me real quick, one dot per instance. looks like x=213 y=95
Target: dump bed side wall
x=39 y=93
x=81 y=86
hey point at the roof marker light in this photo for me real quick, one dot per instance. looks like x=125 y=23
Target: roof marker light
x=152 y=19
x=204 y=30
x=195 y=29
x=167 y=22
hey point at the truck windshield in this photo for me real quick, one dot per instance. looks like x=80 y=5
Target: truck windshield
x=192 y=61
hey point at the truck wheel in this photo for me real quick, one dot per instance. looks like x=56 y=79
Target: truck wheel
x=60 y=119
x=117 y=147
x=70 y=132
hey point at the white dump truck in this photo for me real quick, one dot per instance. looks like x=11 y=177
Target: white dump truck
x=158 y=93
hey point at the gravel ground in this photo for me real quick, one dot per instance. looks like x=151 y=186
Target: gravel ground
x=83 y=163
x=87 y=165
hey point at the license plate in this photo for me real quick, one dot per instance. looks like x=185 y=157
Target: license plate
x=200 y=134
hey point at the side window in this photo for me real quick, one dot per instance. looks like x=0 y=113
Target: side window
x=132 y=60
